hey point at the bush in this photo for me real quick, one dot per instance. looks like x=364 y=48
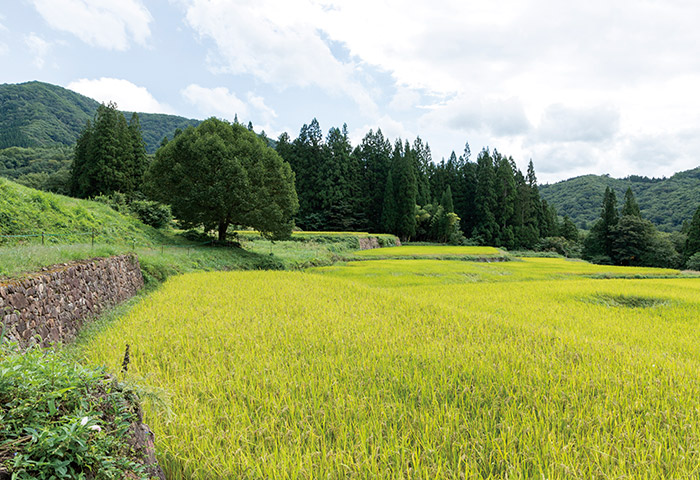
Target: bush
x=63 y=421
x=152 y=213
x=560 y=245
x=693 y=262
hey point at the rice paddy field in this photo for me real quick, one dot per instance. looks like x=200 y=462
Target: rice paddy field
x=438 y=251
x=420 y=368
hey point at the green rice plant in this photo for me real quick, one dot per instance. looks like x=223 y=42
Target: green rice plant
x=429 y=251
x=420 y=369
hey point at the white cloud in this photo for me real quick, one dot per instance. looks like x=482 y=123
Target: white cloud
x=405 y=99
x=221 y=102
x=391 y=129
x=4 y=49
x=265 y=113
x=38 y=47
x=127 y=96
x=571 y=85
x=102 y=23
x=589 y=124
x=496 y=116
x=278 y=42
x=216 y=101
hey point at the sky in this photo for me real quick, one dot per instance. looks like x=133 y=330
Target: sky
x=602 y=86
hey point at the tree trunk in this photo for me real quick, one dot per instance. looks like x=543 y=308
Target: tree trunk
x=223 y=226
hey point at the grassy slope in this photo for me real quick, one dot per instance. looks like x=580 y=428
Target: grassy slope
x=27 y=211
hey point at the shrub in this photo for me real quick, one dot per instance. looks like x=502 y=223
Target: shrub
x=693 y=262
x=152 y=213
x=63 y=421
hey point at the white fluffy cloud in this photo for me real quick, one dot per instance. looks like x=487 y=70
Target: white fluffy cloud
x=101 y=23
x=38 y=47
x=278 y=42
x=227 y=105
x=217 y=100
x=126 y=95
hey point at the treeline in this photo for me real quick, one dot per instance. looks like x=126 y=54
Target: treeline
x=623 y=237
x=396 y=188
x=44 y=168
x=219 y=174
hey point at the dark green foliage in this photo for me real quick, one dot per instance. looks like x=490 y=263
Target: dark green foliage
x=153 y=214
x=17 y=161
x=692 y=244
x=599 y=241
x=423 y=158
x=329 y=179
x=109 y=155
x=389 y=209
x=568 y=229
x=666 y=202
x=220 y=174
x=560 y=245
x=36 y=114
x=486 y=229
x=63 y=421
x=629 y=239
x=447 y=202
x=374 y=158
x=403 y=178
x=630 y=207
x=693 y=262
x=371 y=188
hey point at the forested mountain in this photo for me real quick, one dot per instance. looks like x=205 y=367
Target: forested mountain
x=666 y=202
x=37 y=114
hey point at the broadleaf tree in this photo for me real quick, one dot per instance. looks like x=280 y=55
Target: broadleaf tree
x=220 y=174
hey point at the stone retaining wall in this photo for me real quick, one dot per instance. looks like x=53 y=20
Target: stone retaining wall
x=51 y=306
x=368 y=243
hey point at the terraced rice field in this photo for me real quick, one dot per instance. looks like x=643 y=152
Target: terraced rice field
x=541 y=368
x=438 y=251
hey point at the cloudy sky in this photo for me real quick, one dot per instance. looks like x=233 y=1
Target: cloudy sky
x=602 y=86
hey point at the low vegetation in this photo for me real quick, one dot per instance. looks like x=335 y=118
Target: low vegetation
x=60 y=420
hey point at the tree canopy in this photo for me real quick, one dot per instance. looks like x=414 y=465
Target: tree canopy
x=220 y=174
x=110 y=155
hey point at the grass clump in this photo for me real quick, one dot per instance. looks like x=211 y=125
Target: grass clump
x=59 y=420
x=627 y=301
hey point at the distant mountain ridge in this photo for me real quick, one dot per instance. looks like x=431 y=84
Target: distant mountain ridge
x=666 y=202
x=37 y=114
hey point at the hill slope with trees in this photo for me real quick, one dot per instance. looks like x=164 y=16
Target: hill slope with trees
x=666 y=202
x=37 y=114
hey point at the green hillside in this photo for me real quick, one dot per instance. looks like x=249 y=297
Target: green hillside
x=26 y=211
x=37 y=114
x=666 y=202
